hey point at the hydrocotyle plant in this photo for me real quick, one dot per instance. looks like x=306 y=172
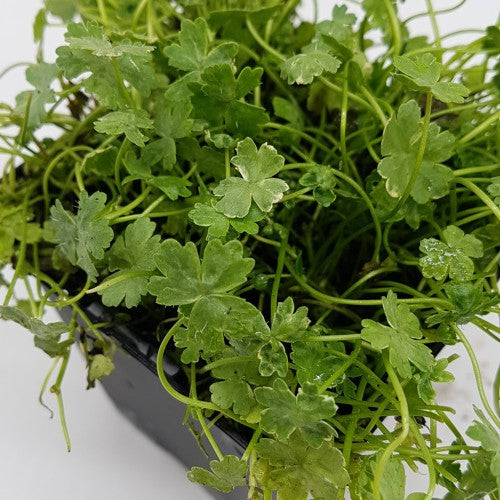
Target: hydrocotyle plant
x=303 y=216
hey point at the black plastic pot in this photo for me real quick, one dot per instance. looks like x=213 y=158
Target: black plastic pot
x=135 y=389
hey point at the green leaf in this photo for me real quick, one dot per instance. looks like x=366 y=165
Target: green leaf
x=90 y=50
x=172 y=122
x=416 y=496
x=286 y=413
x=214 y=317
x=192 y=53
x=96 y=42
x=437 y=374
x=492 y=39
x=33 y=103
x=392 y=485
x=453 y=257
x=233 y=393
x=129 y=122
x=174 y=187
x=218 y=100
x=39 y=25
x=340 y=27
x=484 y=432
x=289 y=326
x=65 y=9
x=100 y=366
x=100 y=162
x=423 y=73
x=273 y=359
x=289 y=111
x=13 y=224
x=186 y=279
x=257 y=167
x=399 y=338
x=323 y=181
x=82 y=238
x=392 y=481
x=477 y=481
x=245 y=120
x=315 y=362
x=46 y=336
x=400 y=145
x=206 y=215
x=301 y=69
x=133 y=252
x=299 y=470
x=226 y=474
x=379 y=16
x=411 y=211
x=494 y=189
x=468 y=300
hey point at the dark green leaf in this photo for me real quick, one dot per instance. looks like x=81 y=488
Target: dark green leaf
x=424 y=71
x=468 y=301
x=399 y=338
x=83 y=237
x=192 y=53
x=130 y=123
x=133 y=252
x=323 y=181
x=400 y=145
x=286 y=413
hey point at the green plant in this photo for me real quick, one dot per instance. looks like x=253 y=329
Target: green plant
x=302 y=223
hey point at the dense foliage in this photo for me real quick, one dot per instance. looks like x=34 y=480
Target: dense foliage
x=303 y=214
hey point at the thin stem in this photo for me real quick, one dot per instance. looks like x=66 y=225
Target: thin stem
x=371 y=208
x=113 y=217
x=121 y=85
x=375 y=105
x=479 y=129
x=477 y=375
x=495 y=210
x=405 y=428
x=201 y=418
x=109 y=282
x=278 y=273
x=164 y=380
x=435 y=28
x=21 y=256
x=394 y=22
x=251 y=444
x=102 y=12
x=253 y=31
x=496 y=393
x=118 y=163
x=476 y=170
x=427 y=457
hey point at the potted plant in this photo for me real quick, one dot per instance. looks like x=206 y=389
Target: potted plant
x=294 y=227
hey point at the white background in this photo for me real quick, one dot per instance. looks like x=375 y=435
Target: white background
x=110 y=459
